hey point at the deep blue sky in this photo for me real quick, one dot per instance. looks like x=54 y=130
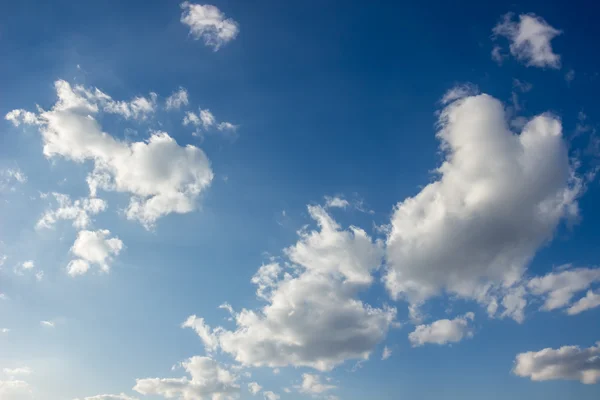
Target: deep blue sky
x=332 y=98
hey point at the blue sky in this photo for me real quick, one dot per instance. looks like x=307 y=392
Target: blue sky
x=352 y=179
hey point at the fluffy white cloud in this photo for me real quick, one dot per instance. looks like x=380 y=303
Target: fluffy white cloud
x=177 y=99
x=311 y=384
x=591 y=300
x=209 y=380
x=567 y=362
x=18 y=117
x=530 y=39
x=161 y=176
x=93 y=247
x=268 y=395
x=12 y=372
x=254 y=388
x=558 y=288
x=443 y=331
x=78 y=211
x=387 y=353
x=498 y=198
x=24 y=266
x=121 y=396
x=14 y=390
x=48 y=324
x=208 y=23
x=313 y=317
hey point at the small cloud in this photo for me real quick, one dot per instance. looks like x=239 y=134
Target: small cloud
x=337 y=202
x=48 y=324
x=39 y=276
x=12 y=372
x=387 y=353
x=458 y=92
x=177 y=99
x=4 y=330
x=529 y=39
x=208 y=23
x=570 y=76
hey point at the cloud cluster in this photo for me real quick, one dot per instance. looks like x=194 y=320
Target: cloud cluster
x=209 y=380
x=205 y=120
x=208 y=23
x=558 y=288
x=93 y=248
x=529 y=38
x=14 y=390
x=78 y=211
x=161 y=176
x=177 y=99
x=443 y=331
x=312 y=384
x=313 y=317
x=498 y=197
x=567 y=363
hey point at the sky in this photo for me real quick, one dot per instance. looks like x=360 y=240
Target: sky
x=299 y=200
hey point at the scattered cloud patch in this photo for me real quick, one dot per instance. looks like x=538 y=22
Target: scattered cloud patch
x=254 y=388
x=565 y=363
x=443 y=331
x=48 y=324
x=11 y=176
x=530 y=39
x=558 y=288
x=591 y=300
x=19 y=371
x=93 y=248
x=208 y=380
x=204 y=121
x=268 y=395
x=177 y=100
x=79 y=211
x=161 y=176
x=311 y=384
x=208 y=23
x=387 y=353
x=336 y=202
x=14 y=389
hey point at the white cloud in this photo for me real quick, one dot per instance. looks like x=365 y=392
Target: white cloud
x=254 y=388
x=498 y=55
x=271 y=396
x=4 y=330
x=458 y=92
x=209 y=380
x=530 y=39
x=48 y=324
x=558 y=288
x=24 y=266
x=93 y=247
x=39 y=275
x=161 y=176
x=18 y=117
x=12 y=372
x=206 y=120
x=591 y=300
x=208 y=23
x=10 y=176
x=566 y=363
x=210 y=340
x=443 y=331
x=177 y=99
x=498 y=198
x=14 y=390
x=387 y=353
x=311 y=384
x=336 y=202
x=78 y=211
x=121 y=396
x=313 y=317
